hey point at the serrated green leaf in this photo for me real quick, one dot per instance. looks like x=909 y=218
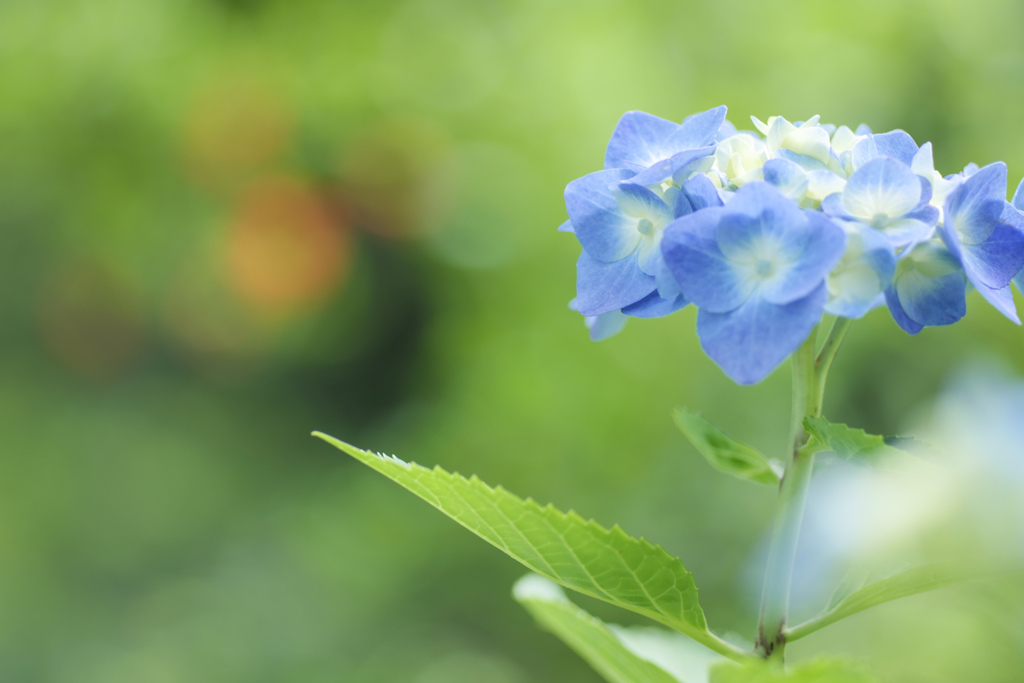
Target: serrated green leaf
x=587 y=635
x=607 y=564
x=910 y=582
x=856 y=445
x=818 y=671
x=722 y=452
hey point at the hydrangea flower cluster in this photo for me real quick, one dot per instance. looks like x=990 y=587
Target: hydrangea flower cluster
x=764 y=232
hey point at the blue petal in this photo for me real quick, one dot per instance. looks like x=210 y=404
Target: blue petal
x=751 y=341
x=1018 y=196
x=974 y=207
x=753 y=198
x=637 y=201
x=654 y=306
x=929 y=285
x=832 y=205
x=690 y=249
x=786 y=175
x=898 y=314
x=700 y=130
x=639 y=140
x=679 y=165
x=1001 y=299
x=802 y=160
x=856 y=283
x=863 y=129
x=995 y=262
x=605 y=325
x=882 y=187
x=726 y=130
x=565 y=227
x=896 y=145
x=603 y=287
x=701 y=193
x=601 y=227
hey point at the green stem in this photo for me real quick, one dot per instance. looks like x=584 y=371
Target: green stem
x=809 y=373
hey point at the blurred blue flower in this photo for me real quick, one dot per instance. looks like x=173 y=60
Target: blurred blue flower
x=986 y=233
x=927 y=289
x=756 y=270
x=885 y=194
x=856 y=284
x=657 y=150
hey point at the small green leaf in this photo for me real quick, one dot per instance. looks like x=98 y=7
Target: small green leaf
x=723 y=453
x=587 y=635
x=818 y=671
x=917 y=580
x=856 y=445
x=579 y=554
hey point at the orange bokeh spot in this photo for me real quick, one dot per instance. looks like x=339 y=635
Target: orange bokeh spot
x=285 y=247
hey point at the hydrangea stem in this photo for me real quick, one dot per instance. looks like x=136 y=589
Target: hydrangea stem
x=809 y=373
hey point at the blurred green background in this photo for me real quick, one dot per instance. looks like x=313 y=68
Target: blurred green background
x=224 y=224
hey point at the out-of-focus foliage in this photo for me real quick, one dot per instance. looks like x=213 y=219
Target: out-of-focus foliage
x=226 y=223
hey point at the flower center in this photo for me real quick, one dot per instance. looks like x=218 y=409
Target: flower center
x=645 y=226
x=764 y=267
x=880 y=221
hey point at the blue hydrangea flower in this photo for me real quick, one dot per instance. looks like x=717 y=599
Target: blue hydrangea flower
x=986 y=233
x=756 y=270
x=620 y=225
x=885 y=194
x=656 y=149
x=856 y=284
x=927 y=289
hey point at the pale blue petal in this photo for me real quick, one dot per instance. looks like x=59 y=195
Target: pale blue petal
x=1001 y=299
x=929 y=285
x=787 y=176
x=752 y=340
x=1018 y=196
x=601 y=227
x=802 y=160
x=856 y=284
x=863 y=129
x=565 y=227
x=881 y=188
x=654 y=306
x=602 y=287
x=699 y=130
x=898 y=314
x=639 y=140
x=679 y=165
x=726 y=130
x=994 y=262
x=701 y=193
x=605 y=325
x=822 y=243
x=896 y=145
x=690 y=249
x=637 y=201
x=753 y=198
x=666 y=283
x=686 y=164
x=832 y=205
x=906 y=231
x=975 y=205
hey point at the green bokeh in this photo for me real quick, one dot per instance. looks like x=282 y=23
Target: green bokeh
x=164 y=515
